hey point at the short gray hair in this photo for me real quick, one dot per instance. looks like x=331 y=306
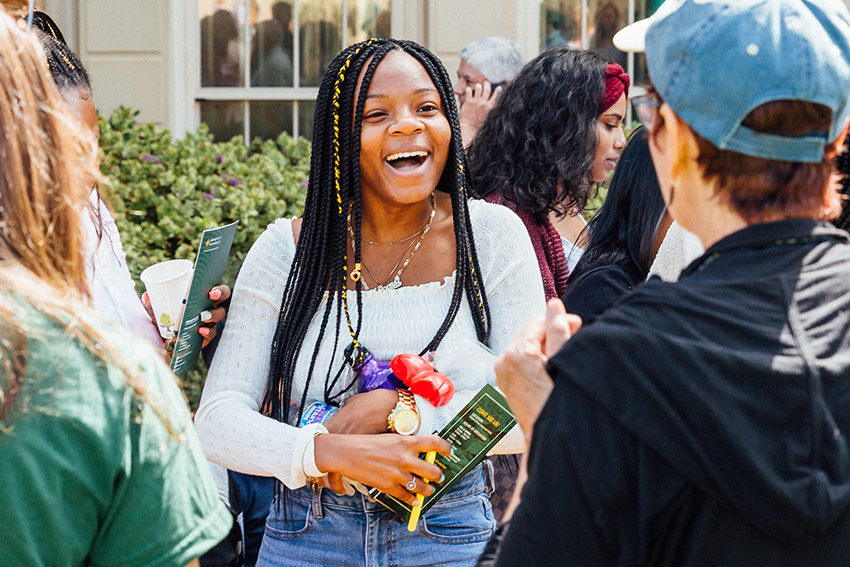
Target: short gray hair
x=498 y=58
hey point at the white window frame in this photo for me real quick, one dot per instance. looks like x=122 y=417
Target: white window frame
x=187 y=91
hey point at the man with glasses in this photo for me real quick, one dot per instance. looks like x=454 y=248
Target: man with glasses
x=486 y=66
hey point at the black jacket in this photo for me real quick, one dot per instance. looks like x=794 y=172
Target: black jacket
x=703 y=422
x=596 y=290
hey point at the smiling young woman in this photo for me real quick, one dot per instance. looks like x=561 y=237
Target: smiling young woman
x=390 y=257
x=404 y=146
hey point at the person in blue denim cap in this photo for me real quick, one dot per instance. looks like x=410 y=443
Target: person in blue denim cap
x=710 y=426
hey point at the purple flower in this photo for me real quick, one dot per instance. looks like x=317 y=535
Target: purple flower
x=224 y=176
x=235 y=182
x=219 y=159
x=245 y=157
x=208 y=196
x=158 y=162
x=149 y=158
x=304 y=183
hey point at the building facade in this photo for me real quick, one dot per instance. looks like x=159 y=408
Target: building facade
x=252 y=67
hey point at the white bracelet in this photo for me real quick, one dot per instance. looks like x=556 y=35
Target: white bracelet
x=310 y=448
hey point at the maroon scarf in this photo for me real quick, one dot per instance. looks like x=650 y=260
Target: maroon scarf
x=547 y=246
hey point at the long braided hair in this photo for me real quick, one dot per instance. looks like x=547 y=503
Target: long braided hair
x=66 y=68
x=71 y=78
x=320 y=264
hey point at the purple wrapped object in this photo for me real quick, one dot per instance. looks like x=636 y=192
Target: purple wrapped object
x=376 y=374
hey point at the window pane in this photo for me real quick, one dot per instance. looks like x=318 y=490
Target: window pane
x=270 y=118
x=368 y=18
x=306 y=109
x=561 y=21
x=320 y=37
x=643 y=9
x=224 y=118
x=561 y=25
x=271 y=44
x=607 y=17
x=221 y=46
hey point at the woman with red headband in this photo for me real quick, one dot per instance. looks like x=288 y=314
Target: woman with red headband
x=556 y=130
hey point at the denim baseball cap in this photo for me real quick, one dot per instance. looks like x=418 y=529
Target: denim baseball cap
x=715 y=61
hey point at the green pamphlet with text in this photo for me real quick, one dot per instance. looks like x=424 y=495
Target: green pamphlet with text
x=209 y=269
x=473 y=432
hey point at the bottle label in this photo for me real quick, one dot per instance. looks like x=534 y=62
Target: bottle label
x=317 y=412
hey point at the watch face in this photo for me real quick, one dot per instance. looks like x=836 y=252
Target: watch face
x=406 y=422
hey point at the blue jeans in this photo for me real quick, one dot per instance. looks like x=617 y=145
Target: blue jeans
x=333 y=530
x=254 y=497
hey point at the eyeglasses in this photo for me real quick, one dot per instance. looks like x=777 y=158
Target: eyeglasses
x=646 y=108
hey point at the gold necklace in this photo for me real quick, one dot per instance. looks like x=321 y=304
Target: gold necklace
x=373 y=243
x=396 y=281
x=378 y=282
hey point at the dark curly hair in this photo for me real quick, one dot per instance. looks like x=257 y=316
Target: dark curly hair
x=536 y=148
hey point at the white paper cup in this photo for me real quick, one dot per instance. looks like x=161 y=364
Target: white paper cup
x=167 y=284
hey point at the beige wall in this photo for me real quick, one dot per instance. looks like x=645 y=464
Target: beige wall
x=451 y=24
x=124 y=45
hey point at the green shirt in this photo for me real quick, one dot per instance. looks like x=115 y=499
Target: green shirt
x=89 y=472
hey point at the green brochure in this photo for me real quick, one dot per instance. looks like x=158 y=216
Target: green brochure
x=472 y=433
x=209 y=269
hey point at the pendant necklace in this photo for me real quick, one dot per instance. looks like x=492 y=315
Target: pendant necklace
x=390 y=273
x=396 y=281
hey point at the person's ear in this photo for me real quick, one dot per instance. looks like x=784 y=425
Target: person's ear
x=681 y=146
x=839 y=143
x=832 y=204
x=832 y=198
x=657 y=135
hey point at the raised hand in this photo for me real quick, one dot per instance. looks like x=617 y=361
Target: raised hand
x=521 y=370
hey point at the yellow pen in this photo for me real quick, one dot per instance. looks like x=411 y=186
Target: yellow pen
x=415 y=511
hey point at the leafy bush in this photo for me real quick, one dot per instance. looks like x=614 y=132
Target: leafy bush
x=165 y=192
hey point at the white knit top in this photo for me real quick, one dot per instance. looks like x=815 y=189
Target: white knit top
x=112 y=289
x=236 y=436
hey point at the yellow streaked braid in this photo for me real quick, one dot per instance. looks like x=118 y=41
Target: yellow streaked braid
x=335 y=112
x=470 y=258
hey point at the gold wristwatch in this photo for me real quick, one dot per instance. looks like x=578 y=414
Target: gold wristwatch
x=404 y=419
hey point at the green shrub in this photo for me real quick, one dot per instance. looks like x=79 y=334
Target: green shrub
x=165 y=192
